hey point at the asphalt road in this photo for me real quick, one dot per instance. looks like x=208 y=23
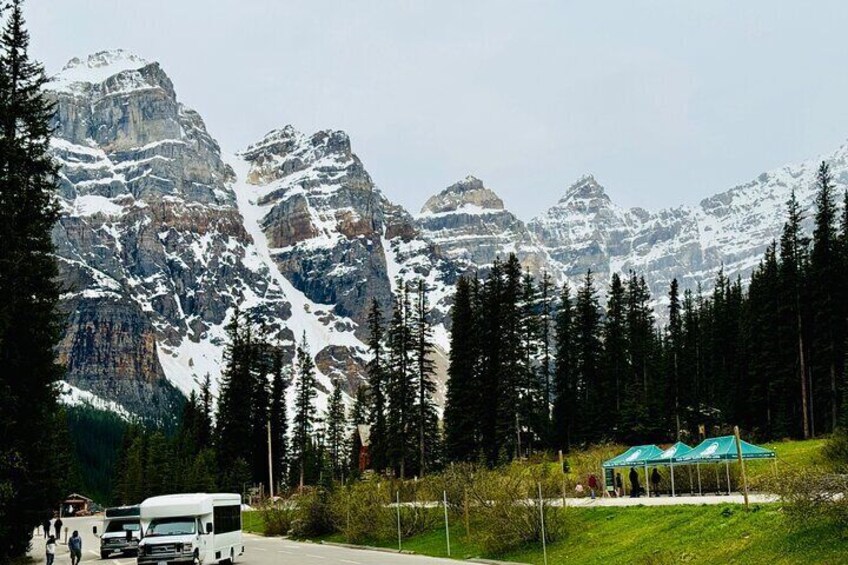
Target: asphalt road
x=258 y=551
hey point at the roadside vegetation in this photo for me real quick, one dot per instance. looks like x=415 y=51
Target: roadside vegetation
x=496 y=513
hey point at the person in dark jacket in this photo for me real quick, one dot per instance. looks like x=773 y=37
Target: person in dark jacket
x=619 y=485
x=635 y=489
x=46 y=525
x=75 y=547
x=655 y=481
x=57 y=525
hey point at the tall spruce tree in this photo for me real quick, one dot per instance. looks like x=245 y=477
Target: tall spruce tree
x=674 y=345
x=546 y=360
x=234 y=417
x=462 y=408
x=828 y=323
x=588 y=348
x=30 y=476
x=616 y=362
x=565 y=389
x=279 y=419
x=425 y=369
x=336 y=431
x=378 y=387
x=304 y=411
x=402 y=386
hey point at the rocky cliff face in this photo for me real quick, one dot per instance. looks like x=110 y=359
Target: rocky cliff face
x=468 y=222
x=161 y=237
x=152 y=248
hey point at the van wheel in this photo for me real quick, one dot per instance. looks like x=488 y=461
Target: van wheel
x=196 y=560
x=232 y=556
x=104 y=554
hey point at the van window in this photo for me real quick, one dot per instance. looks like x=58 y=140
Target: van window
x=227 y=518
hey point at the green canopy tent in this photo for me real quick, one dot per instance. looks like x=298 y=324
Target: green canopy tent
x=718 y=449
x=638 y=455
x=669 y=456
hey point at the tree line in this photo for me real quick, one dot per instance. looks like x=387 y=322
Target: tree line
x=533 y=367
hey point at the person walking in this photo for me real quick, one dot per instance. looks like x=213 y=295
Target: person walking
x=593 y=485
x=635 y=489
x=46 y=525
x=57 y=525
x=51 y=550
x=655 y=481
x=75 y=547
x=619 y=485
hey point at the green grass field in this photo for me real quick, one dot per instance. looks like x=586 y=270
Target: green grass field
x=666 y=534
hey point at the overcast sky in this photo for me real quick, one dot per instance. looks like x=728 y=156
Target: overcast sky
x=664 y=102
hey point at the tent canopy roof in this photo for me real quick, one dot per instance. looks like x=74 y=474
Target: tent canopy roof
x=636 y=455
x=671 y=455
x=722 y=449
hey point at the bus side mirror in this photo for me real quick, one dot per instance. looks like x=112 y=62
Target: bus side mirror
x=129 y=535
x=208 y=527
x=94 y=530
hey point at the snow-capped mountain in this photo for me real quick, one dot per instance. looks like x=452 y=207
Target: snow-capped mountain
x=161 y=236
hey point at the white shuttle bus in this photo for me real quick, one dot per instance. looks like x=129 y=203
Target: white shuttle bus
x=190 y=528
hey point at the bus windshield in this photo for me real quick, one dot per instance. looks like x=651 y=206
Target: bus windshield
x=172 y=526
x=122 y=527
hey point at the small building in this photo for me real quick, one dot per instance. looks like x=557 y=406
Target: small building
x=362 y=439
x=76 y=504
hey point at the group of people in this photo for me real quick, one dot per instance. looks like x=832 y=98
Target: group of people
x=74 y=542
x=636 y=489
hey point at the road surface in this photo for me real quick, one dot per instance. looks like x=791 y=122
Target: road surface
x=258 y=551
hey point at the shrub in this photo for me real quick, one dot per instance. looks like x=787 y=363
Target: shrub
x=814 y=492
x=277 y=518
x=362 y=513
x=836 y=451
x=311 y=516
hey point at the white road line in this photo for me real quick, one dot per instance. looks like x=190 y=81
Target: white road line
x=259 y=549
x=315 y=556
x=292 y=546
x=286 y=552
x=349 y=561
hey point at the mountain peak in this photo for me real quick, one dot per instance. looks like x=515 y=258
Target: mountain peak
x=465 y=194
x=97 y=67
x=585 y=188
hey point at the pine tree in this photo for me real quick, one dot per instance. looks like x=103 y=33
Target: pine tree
x=674 y=341
x=30 y=475
x=616 y=362
x=422 y=338
x=827 y=322
x=546 y=361
x=491 y=338
x=637 y=418
x=511 y=376
x=402 y=385
x=564 y=376
x=336 y=431
x=587 y=347
x=304 y=415
x=377 y=384
x=233 y=430
x=462 y=409
x=279 y=419
x=793 y=261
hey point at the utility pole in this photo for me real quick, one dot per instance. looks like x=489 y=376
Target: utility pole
x=270 y=463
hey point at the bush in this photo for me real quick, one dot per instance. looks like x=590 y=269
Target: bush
x=362 y=513
x=836 y=451
x=814 y=492
x=507 y=509
x=311 y=517
x=277 y=518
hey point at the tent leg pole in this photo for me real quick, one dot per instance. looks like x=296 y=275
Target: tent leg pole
x=691 y=486
x=672 y=479
x=647 y=482
x=700 y=492
x=718 y=480
x=727 y=469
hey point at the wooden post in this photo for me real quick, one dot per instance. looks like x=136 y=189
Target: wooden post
x=741 y=465
x=465 y=504
x=400 y=545
x=270 y=465
x=672 y=478
x=447 y=527
x=562 y=470
x=542 y=518
x=727 y=470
